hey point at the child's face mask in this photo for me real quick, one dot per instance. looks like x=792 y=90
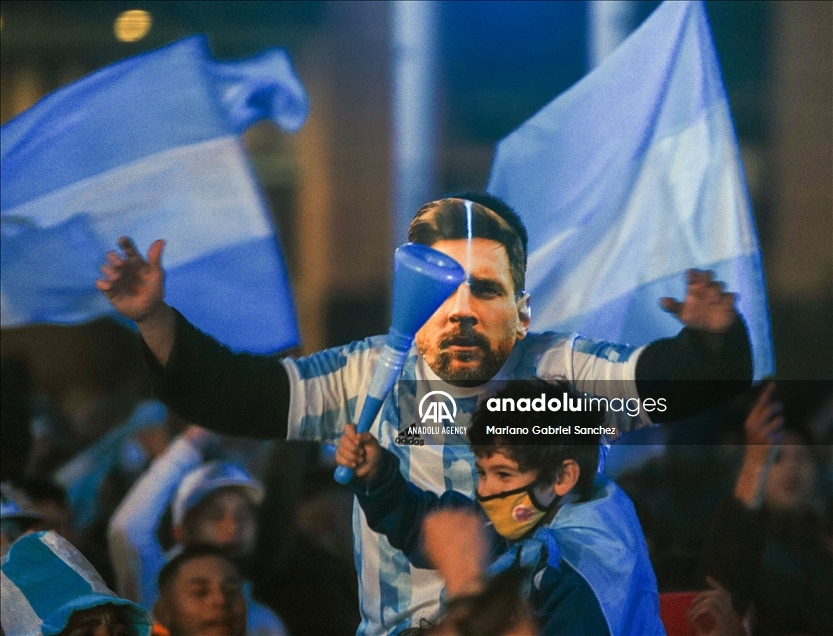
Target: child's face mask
x=515 y=512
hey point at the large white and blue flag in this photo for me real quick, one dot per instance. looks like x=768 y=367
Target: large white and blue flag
x=630 y=178
x=150 y=147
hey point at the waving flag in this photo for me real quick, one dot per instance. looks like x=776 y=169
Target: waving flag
x=630 y=178
x=150 y=148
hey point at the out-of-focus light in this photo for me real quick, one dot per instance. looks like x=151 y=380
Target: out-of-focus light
x=132 y=25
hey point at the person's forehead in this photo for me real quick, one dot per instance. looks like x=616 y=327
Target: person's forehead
x=209 y=568
x=487 y=258
x=496 y=461
x=226 y=496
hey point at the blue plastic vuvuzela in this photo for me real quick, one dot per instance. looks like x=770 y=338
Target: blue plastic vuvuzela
x=422 y=279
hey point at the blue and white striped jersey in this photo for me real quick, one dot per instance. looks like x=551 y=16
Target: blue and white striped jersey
x=328 y=390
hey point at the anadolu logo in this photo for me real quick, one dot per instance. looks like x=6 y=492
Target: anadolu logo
x=436 y=410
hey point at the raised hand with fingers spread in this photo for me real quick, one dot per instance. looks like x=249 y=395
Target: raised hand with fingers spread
x=764 y=423
x=707 y=307
x=135 y=286
x=711 y=612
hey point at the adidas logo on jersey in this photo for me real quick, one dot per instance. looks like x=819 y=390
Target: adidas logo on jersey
x=408 y=437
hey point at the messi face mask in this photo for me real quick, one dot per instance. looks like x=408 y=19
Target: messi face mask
x=515 y=512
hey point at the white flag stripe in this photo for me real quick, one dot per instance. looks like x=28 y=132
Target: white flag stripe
x=16 y=608
x=181 y=194
x=669 y=180
x=75 y=560
x=9 y=315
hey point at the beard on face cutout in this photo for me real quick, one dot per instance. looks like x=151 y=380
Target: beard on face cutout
x=475 y=365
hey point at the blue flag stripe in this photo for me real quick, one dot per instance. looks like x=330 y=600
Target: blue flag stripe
x=149 y=147
x=171 y=83
x=65 y=586
x=222 y=294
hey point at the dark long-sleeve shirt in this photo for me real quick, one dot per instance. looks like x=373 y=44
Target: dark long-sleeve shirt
x=249 y=395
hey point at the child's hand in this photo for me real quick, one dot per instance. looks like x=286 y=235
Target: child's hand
x=359 y=452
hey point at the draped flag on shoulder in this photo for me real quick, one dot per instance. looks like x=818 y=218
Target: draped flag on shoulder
x=150 y=147
x=630 y=178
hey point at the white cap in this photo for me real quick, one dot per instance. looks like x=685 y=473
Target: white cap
x=206 y=479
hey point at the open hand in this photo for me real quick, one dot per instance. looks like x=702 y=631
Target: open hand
x=706 y=306
x=711 y=612
x=134 y=286
x=360 y=452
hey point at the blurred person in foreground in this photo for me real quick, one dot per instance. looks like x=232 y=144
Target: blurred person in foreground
x=50 y=589
x=572 y=531
x=480 y=332
x=767 y=545
x=497 y=608
x=201 y=594
x=211 y=503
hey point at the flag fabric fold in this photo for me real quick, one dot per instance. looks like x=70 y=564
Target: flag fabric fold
x=150 y=147
x=628 y=179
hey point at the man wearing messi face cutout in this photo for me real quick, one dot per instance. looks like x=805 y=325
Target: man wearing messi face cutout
x=479 y=333
x=573 y=530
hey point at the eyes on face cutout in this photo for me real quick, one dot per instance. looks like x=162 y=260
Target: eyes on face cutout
x=486 y=288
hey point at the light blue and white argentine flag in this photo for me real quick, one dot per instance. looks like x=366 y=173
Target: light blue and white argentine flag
x=150 y=147
x=45 y=579
x=629 y=178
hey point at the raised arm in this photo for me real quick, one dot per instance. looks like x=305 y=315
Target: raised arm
x=136 y=288
x=763 y=428
x=392 y=506
x=135 y=551
x=203 y=381
x=708 y=362
x=736 y=540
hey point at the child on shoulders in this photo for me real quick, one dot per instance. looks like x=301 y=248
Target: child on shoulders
x=551 y=514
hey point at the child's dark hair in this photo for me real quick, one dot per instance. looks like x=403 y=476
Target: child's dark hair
x=169 y=571
x=543 y=453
